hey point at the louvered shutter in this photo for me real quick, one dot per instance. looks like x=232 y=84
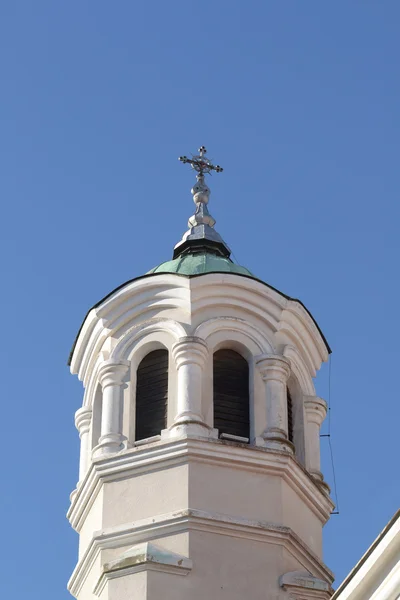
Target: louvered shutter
x=152 y=394
x=231 y=393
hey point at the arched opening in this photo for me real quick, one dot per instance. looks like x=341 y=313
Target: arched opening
x=289 y=403
x=151 y=395
x=231 y=394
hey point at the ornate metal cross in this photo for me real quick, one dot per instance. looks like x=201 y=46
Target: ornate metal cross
x=200 y=163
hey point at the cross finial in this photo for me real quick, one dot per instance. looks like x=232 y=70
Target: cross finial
x=200 y=163
x=201 y=234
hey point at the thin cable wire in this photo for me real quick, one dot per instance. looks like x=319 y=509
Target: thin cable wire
x=334 y=477
x=236 y=260
x=234 y=255
x=329 y=434
x=329 y=394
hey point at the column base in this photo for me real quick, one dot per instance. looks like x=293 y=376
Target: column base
x=324 y=487
x=317 y=475
x=275 y=440
x=188 y=417
x=189 y=429
x=111 y=443
x=189 y=423
x=319 y=480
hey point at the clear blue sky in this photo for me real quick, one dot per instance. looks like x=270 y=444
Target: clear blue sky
x=299 y=101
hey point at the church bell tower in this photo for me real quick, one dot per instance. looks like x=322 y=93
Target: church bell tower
x=199 y=473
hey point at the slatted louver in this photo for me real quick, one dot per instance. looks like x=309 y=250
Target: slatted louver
x=151 y=394
x=289 y=415
x=231 y=394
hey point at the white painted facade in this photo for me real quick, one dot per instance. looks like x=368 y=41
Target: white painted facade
x=186 y=514
x=377 y=575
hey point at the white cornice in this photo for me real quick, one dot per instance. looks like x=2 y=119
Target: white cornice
x=143 y=557
x=195 y=520
x=304 y=586
x=181 y=451
x=181 y=299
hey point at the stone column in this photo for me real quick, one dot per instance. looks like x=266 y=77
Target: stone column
x=190 y=355
x=315 y=412
x=83 y=419
x=275 y=371
x=111 y=377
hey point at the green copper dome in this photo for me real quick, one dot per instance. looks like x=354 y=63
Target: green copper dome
x=201 y=249
x=201 y=263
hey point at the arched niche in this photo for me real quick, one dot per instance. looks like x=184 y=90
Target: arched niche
x=164 y=332
x=134 y=346
x=242 y=337
x=234 y=330
x=143 y=347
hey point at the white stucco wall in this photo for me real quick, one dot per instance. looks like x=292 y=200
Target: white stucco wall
x=239 y=516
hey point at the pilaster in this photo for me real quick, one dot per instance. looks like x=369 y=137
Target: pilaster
x=111 y=376
x=275 y=371
x=190 y=355
x=315 y=412
x=83 y=419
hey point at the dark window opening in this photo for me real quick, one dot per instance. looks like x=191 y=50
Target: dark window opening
x=231 y=394
x=289 y=415
x=151 y=395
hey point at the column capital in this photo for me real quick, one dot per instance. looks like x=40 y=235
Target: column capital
x=112 y=372
x=273 y=366
x=190 y=350
x=83 y=418
x=316 y=409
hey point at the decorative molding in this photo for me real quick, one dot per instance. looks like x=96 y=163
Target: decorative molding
x=304 y=586
x=112 y=372
x=243 y=299
x=296 y=337
x=190 y=350
x=146 y=441
x=121 y=310
x=299 y=370
x=273 y=366
x=189 y=520
x=316 y=409
x=165 y=453
x=241 y=326
x=143 y=557
x=141 y=330
x=234 y=438
x=83 y=418
x=310 y=327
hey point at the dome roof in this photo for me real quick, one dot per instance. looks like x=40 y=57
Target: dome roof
x=200 y=263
